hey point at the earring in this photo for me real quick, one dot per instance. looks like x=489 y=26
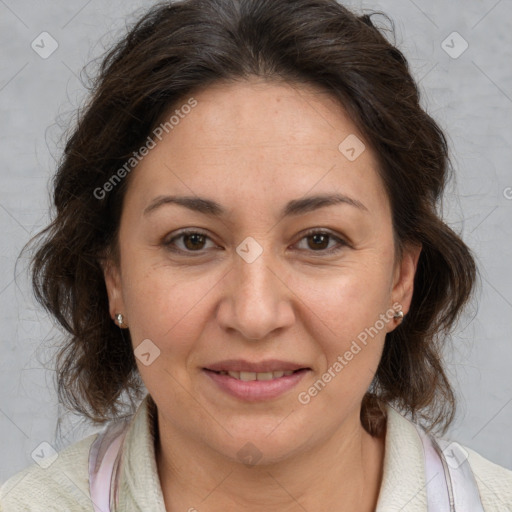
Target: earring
x=119 y=319
x=399 y=315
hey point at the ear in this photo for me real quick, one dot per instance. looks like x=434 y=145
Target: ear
x=112 y=276
x=403 y=281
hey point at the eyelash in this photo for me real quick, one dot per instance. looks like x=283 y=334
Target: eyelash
x=341 y=243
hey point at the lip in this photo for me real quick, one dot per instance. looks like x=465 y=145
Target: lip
x=256 y=390
x=241 y=365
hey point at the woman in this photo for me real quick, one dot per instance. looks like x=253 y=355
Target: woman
x=247 y=229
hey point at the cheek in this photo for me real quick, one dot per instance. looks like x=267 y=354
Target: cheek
x=346 y=314
x=346 y=300
x=166 y=304
x=350 y=343
x=166 y=310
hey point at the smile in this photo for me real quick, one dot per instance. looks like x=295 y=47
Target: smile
x=255 y=386
x=249 y=376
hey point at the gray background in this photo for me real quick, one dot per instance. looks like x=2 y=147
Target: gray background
x=470 y=96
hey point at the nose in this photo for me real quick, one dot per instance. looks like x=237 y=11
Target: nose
x=256 y=300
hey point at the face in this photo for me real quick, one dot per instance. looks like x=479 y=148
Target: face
x=273 y=277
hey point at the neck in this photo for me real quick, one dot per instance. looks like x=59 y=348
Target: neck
x=346 y=469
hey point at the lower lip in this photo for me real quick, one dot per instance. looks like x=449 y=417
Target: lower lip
x=256 y=390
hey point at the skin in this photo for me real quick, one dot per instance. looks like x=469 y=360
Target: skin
x=252 y=146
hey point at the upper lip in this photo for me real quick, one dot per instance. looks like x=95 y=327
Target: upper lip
x=241 y=365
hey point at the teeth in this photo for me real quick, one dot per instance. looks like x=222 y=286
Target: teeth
x=250 y=376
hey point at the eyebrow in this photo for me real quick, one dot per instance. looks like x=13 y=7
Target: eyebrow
x=292 y=208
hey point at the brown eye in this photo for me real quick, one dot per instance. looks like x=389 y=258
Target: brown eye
x=194 y=241
x=319 y=241
x=191 y=241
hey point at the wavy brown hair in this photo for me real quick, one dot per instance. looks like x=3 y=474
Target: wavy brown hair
x=178 y=48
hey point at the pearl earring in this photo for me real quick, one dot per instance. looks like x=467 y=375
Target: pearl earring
x=119 y=319
x=398 y=315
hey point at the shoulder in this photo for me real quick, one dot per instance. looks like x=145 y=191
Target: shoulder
x=494 y=482
x=405 y=462
x=59 y=484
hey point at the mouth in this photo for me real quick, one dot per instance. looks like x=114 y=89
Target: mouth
x=246 y=384
x=259 y=376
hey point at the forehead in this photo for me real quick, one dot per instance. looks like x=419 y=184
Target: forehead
x=256 y=141
x=266 y=115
